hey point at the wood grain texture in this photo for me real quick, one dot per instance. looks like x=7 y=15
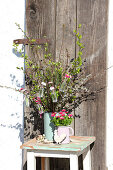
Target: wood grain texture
x=65 y=43
x=78 y=144
x=93 y=17
x=40 y=22
x=65 y=24
x=42 y=163
x=57 y=19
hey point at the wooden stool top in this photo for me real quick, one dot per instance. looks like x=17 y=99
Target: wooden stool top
x=78 y=143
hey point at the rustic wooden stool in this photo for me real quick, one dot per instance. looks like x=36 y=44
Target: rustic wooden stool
x=79 y=145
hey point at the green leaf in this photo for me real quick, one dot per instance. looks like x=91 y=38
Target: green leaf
x=80 y=53
x=80 y=37
x=79 y=26
x=33 y=40
x=33 y=66
x=18 y=68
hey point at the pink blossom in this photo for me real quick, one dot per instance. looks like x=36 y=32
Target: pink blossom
x=62 y=118
x=40 y=116
x=57 y=116
x=68 y=76
x=38 y=98
x=52 y=115
x=63 y=114
x=37 y=101
x=70 y=115
x=50 y=82
x=60 y=112
x=41 y=112
x=63 y=110
x=21 y=89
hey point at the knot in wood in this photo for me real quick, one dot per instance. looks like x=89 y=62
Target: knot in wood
x=33 y=14
x=33 y=11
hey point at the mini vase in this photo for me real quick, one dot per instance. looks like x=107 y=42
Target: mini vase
x=67 y=130
x=48 y=126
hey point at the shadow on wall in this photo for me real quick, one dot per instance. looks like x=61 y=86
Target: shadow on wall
x=33 y=125
x=16 y=81
x=17 y=126
x=18 y=54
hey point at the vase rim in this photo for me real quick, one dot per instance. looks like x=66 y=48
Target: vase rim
x=63 y=126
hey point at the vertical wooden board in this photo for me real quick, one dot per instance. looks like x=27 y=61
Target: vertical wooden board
x=93 y=17
x=65 y=24
x=65 y=40
x=40 y=22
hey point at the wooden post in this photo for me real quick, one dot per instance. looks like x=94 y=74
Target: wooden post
x=47 y=165
x=42 y=163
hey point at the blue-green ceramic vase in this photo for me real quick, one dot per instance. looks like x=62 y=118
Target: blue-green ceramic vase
x=48 y=126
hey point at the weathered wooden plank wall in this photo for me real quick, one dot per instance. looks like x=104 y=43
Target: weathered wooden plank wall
x=93 y=17
x=40 y=21
x=57 y=19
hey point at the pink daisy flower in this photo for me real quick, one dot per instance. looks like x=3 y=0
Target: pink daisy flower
x=63 y=114
x=61 y=118
x=21 y=89
x=63 y=110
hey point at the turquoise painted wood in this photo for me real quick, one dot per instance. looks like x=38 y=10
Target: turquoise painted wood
x=78 y=144
x=48 y=127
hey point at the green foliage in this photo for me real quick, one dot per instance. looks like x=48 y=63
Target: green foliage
x=62 y=118
x=53 y=82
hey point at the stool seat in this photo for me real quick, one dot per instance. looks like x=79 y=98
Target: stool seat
x=79 y=145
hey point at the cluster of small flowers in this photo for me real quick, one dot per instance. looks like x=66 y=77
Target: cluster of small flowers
x=24 y=91
x=68 y=76
x=61 y=114
x=37 y=100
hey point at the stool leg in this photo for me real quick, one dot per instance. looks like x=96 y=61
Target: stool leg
x=73 y=162
x=31 y=161
x=42 y=163
x=87 y=160
x=47 y=166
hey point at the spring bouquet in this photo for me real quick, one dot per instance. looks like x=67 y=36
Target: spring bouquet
x=54 y=84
